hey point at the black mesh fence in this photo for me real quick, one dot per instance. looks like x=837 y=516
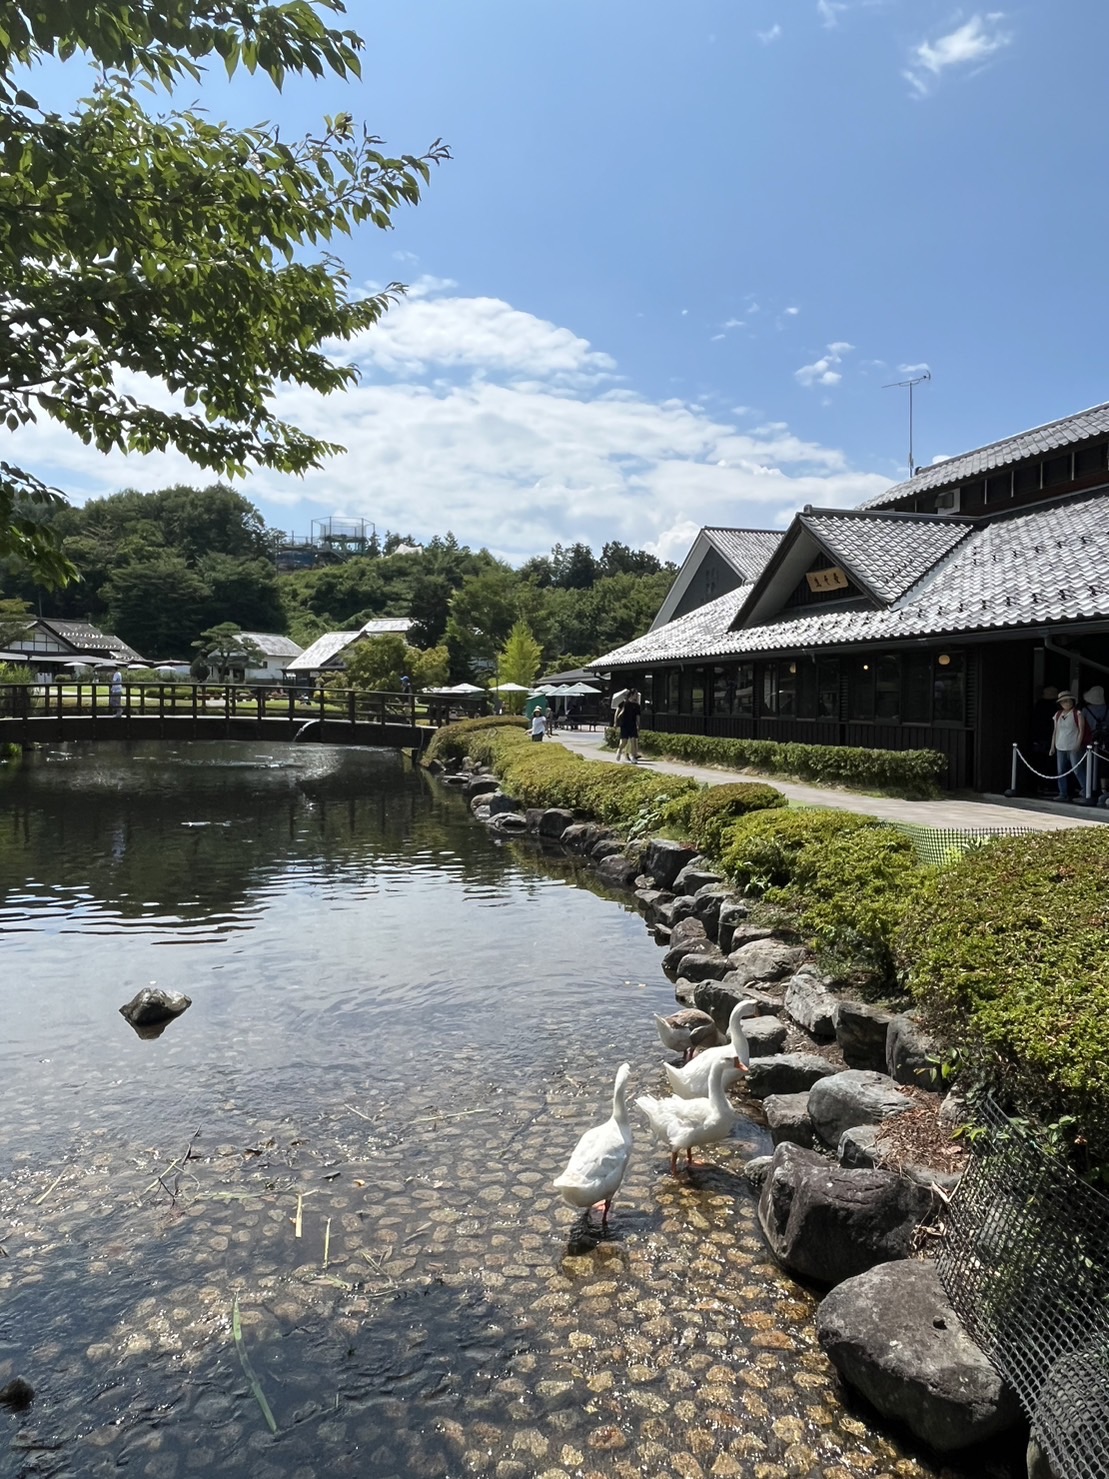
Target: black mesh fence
x=1025 y=1262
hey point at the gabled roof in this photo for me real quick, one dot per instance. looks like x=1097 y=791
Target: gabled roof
x=745 y=551
x=322 y=651
x=380 y=625
x=1044 y=568
x=1053 y=436
x=882 y=553
x=274 y=645
x=83 y=636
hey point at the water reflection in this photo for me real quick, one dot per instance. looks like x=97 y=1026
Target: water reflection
x=399 y=1029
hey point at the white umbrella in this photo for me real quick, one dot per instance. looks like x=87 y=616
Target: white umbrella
x=77 y=662
x=465 y=688
x=138 y=667
x=579 y=690
x=513 y=688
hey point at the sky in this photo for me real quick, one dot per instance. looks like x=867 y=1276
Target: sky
x=680 y=253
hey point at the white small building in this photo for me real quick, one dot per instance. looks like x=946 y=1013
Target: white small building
x=277 y=653
x=327 y=653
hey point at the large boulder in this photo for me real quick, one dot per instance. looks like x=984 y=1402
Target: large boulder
x=829 y=1224
x=809 y=1002
x=498 y=802
x=720 y=998
x=765 y=960
x=554 y=822
x=683 y=907
x=582 y=836
x=649 y=899
x=701 y=965
x=787 y=1118
x=859 y=1148
x=608 y=847
x=687 y=937
x=666 y=859
x=707 y=903
x=910 y=1053
x=152 y=1007
x=765 y=1035
x=788 y=1073
x=509 y=822
x=694 y=876
x=892 y=1334
x=477 y=785
x=617 y=871
x=732 y=915
x=855 y=1097
x=746 y=934
x=861 y=1033
x=756 y=1170
x=689 y=931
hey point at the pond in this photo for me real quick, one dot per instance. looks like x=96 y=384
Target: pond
x=319 y=1203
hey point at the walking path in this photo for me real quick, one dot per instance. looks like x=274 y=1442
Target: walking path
x=1021 y=812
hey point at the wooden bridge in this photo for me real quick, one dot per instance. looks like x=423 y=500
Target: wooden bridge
x=48 y=713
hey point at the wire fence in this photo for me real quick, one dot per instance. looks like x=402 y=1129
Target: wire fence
x=1025 y=1263
x=937 y=846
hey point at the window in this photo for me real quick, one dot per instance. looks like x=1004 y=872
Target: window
x=722 y=692
x=916 y=688
x=745 y=690
x=1026 y=480
x=861 y=704
x=827 y=678
x=807 y=695
x=1090 y=460
x=787 y=688
x=697 y=692
x=887 y=687
x=768 y=703
x=999 y=489
x=1057 y=470
x=948 y=688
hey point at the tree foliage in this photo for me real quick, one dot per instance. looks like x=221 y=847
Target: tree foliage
x=224 y=648
x=519 y=662
x=173 y=247
x=377 y=664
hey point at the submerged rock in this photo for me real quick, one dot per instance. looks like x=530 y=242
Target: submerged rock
x=17 y=1393
x=152 y=1007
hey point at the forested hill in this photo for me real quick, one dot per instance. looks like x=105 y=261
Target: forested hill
x=160 y=568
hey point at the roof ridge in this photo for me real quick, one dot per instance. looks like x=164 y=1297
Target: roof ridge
x=907 y=514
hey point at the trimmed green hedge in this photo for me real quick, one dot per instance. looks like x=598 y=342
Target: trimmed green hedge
x=451 y=743
x=547 y=774
x=916 y=774
x=1008 y=955
x=846 y=881
x=713 y=811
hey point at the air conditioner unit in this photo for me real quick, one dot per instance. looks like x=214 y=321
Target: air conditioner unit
x=948 y=502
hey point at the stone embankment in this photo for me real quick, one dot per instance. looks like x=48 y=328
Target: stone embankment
x=863 y=1164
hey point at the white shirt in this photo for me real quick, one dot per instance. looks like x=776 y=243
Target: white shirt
x=1066 y=730
x=539 y=722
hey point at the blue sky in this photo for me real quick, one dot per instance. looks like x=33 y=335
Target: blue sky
x=679 y=252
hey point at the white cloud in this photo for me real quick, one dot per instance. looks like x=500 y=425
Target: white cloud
x=969 y=45
x=774 y=34
x=513 y=432
x=921 y=369
x=793 y=312
x=823 y=371
x=735 y=323
x=830 y=10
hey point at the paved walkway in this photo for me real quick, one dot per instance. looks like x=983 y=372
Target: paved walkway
x=962 y=814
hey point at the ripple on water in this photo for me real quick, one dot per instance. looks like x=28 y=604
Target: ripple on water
x=352 y=1133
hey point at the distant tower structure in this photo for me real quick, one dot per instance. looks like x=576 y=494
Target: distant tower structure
x=331 y=541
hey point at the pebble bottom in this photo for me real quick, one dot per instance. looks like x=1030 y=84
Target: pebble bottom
x=465 y=1320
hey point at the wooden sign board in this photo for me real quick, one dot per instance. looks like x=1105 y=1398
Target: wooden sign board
x=832 y=579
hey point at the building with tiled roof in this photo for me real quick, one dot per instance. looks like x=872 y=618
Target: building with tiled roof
x=55 y=641
x=719 y=561
x=896 y=626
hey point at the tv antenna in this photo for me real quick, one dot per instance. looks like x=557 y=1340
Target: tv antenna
x=909 y=385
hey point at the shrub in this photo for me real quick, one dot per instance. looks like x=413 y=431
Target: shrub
x=451 y=742
x=845 y=880
x=711 y=813
x=911 y=773
x=1007 y=954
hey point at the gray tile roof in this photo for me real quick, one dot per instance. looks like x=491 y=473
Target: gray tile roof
x=321 y=652
x=746 y=550
x=1049 y=566
x=274 y=645
x=886 y=555
x=1039 y=442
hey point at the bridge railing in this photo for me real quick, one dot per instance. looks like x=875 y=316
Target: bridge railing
x=95 y=699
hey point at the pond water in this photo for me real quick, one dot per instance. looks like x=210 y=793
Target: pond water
x=398 y=1030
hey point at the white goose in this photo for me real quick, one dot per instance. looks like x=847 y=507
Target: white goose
x=686 y=1030
x=596 y=1168
x=681 y=1124
x=692 y=1081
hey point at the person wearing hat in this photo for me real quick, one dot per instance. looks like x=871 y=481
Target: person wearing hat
x=1069 y=739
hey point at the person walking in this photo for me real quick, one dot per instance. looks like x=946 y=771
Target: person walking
x=627 y=721
x=538 y=725
x=115 y=693
x=1069 y=739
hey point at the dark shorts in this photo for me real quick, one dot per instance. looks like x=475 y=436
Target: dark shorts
x=537 y=736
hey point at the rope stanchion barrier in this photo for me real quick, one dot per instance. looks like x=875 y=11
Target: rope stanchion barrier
x=1085 y=760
